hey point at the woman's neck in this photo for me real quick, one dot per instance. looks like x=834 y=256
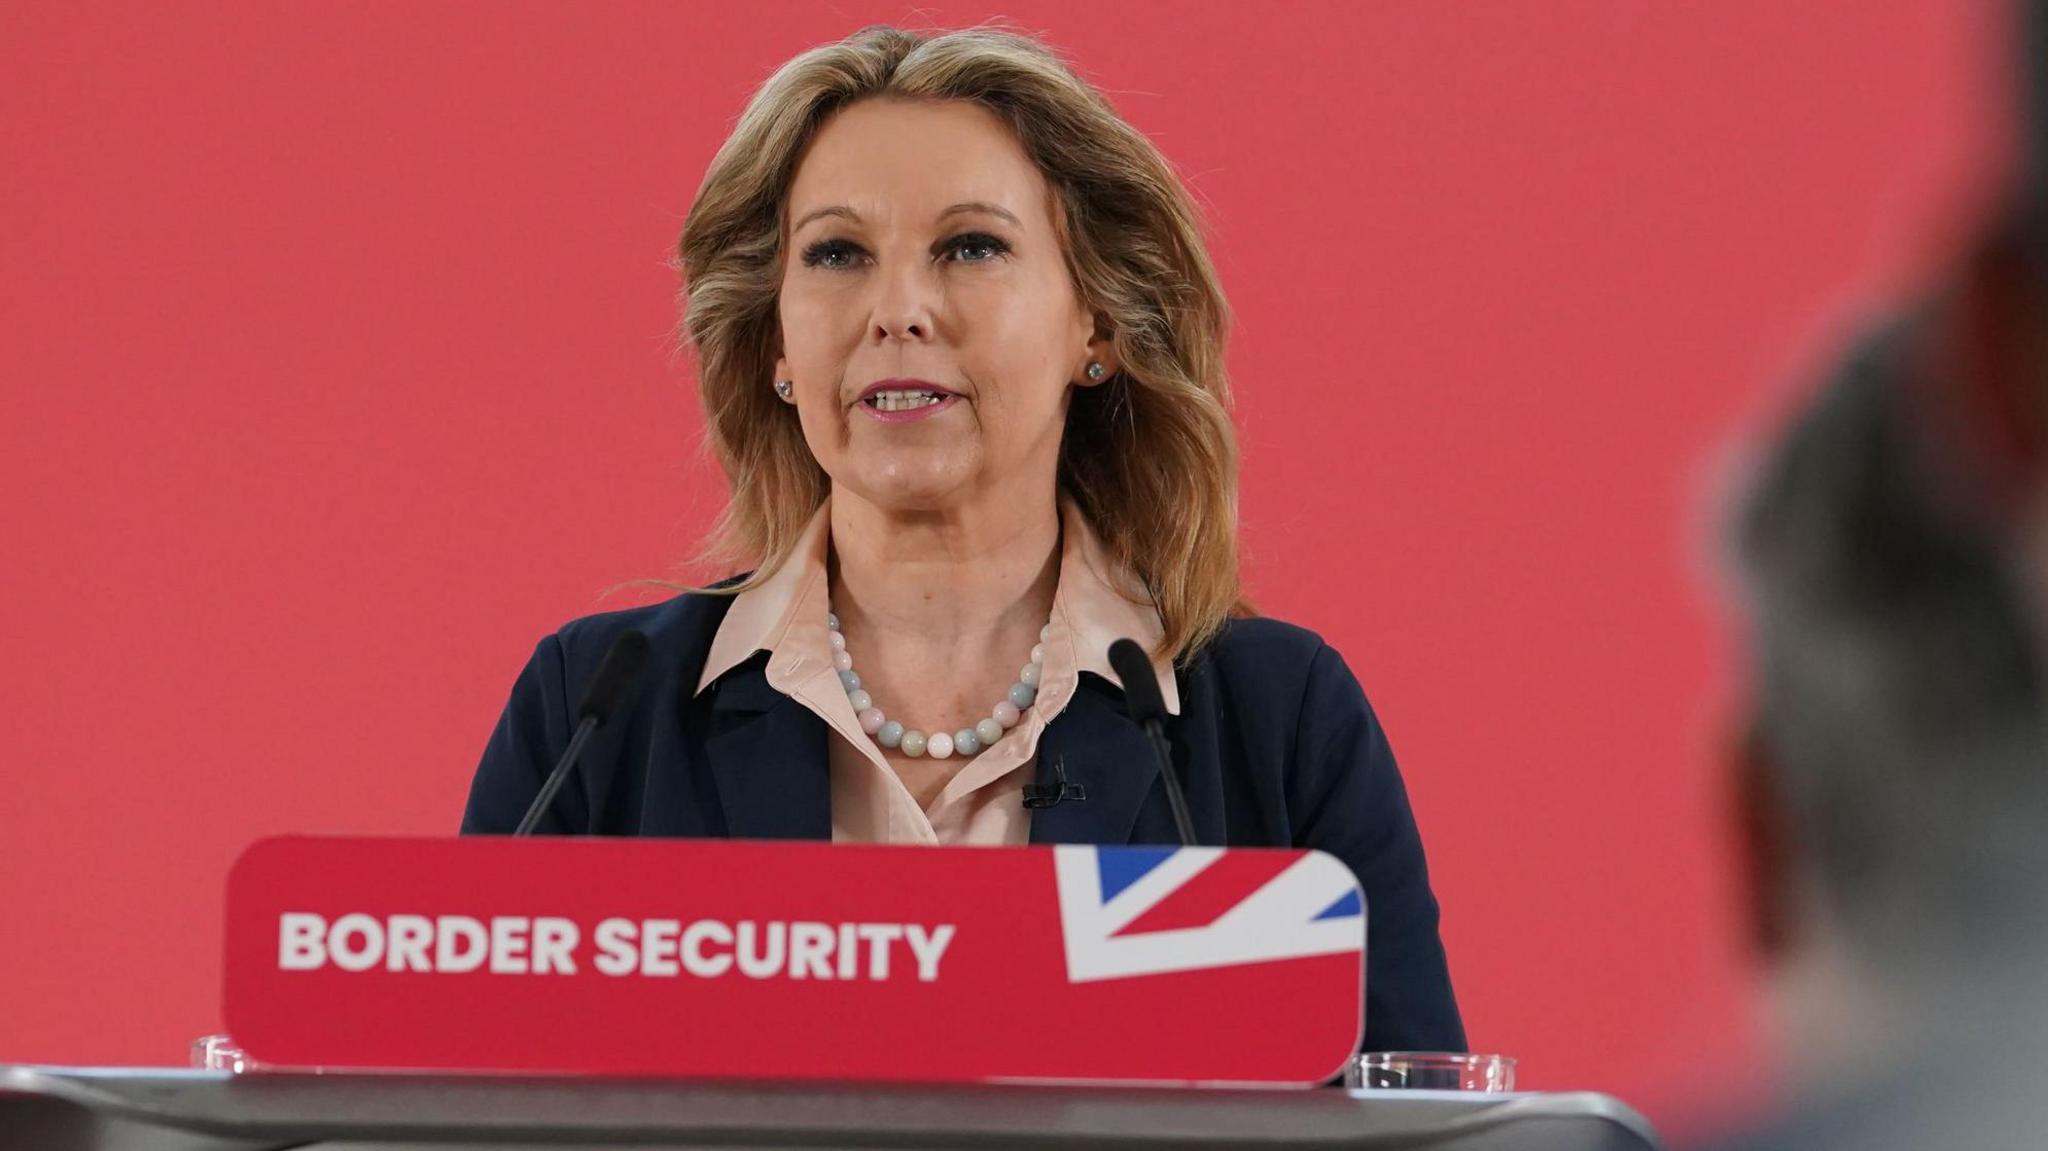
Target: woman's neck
x=943 y=578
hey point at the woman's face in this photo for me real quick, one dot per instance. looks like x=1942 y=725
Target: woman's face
x=928 y=320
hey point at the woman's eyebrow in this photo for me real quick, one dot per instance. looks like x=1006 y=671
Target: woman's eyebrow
x=982 y=206
x=846 y=213
x=840 y=210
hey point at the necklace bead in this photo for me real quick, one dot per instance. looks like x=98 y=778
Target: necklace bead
x=1007 y=713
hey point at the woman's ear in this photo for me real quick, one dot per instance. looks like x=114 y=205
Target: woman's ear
x=1099 y=361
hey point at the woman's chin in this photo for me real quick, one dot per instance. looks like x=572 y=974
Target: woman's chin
x=910 y=486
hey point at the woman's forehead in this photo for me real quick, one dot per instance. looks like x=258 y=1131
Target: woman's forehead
x=903 y=163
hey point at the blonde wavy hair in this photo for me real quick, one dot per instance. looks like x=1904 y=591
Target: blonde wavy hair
x=1150 y=456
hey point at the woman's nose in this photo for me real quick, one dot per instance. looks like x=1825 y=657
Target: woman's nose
x=907 y=304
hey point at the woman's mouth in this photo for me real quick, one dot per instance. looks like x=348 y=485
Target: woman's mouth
x=905 y=402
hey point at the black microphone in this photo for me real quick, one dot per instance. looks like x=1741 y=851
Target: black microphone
x=615 y=676
x=1037 y=795
x=1148 y=708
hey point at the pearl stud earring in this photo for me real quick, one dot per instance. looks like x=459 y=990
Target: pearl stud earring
x=785 y=388
x=1096 y=371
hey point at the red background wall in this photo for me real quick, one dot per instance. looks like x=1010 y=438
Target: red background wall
x=337 y=372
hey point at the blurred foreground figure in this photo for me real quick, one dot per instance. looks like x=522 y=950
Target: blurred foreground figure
x=1895 y=784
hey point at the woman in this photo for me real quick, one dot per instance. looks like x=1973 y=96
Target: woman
x=961 y=357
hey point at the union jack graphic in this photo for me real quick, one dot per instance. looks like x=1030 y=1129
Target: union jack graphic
x=1131 y=911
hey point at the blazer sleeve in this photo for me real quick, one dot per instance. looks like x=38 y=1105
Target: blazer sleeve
x=532 y=733
x=1349 y=801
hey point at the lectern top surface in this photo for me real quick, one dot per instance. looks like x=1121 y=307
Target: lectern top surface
x=102 y=1108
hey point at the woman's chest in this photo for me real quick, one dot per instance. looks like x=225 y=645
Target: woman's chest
x=878 y=798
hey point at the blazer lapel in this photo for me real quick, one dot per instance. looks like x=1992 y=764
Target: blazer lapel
x=767 y=755
x=1100 y=750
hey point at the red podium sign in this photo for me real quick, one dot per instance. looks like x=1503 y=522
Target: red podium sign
x=777 y=960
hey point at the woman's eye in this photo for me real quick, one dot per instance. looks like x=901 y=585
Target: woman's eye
x=830 y=254
x=976 y=247
x=968 y=248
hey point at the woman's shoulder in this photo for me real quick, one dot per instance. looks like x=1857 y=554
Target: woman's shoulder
x=1282 y=664
x=1263 y=647
x=676 y=627
x=1262 y=640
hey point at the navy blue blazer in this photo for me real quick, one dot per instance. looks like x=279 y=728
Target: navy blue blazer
x=1275 y=743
